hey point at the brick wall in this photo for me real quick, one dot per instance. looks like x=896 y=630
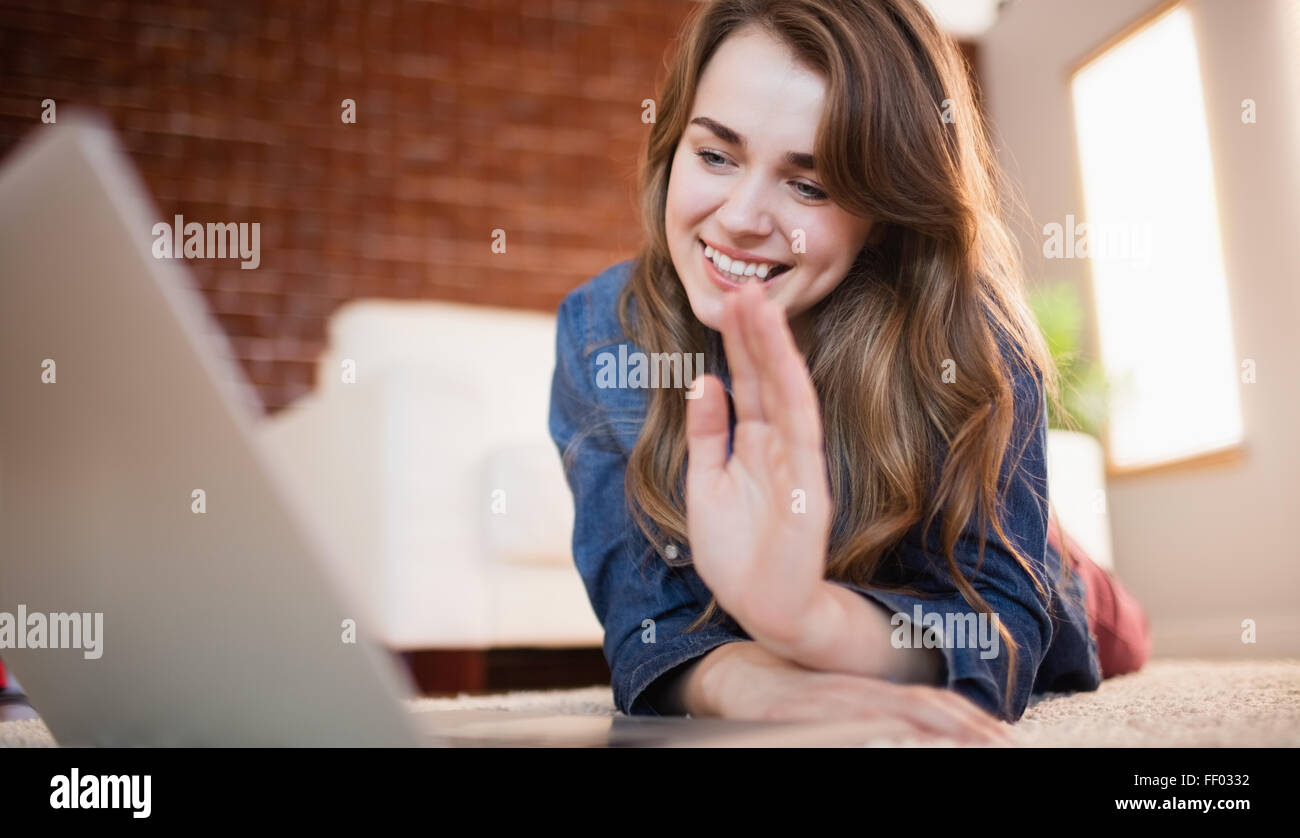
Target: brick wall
x=522 y=115
x=471 y=116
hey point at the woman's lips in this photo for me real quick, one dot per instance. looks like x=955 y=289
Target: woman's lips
x=728 y=281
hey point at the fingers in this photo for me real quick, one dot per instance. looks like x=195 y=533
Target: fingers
x=707 y=428
x=998 y=731
x=930 y=710
x=753 y=313
x=917 y=711
x=744 y=370
x=787 y=397
x=948 y=713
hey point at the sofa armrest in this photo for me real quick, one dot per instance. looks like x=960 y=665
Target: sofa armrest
x=388 y=467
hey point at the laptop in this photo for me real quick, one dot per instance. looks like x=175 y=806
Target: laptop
x=179 y=584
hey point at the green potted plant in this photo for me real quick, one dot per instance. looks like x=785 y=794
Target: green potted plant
x=1083 y=381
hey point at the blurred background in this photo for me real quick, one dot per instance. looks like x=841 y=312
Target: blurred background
x=385 y=148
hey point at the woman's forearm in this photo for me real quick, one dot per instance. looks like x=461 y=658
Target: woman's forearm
x=694 y=689
x=846 y=632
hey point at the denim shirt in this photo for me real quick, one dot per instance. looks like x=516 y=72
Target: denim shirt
x=645 y=605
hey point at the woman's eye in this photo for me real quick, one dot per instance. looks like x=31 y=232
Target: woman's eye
x=707 y=155
x=813 y=194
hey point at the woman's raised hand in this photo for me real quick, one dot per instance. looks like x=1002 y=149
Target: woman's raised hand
x=759 y=522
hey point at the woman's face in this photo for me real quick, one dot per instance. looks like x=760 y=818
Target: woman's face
x=743 y=183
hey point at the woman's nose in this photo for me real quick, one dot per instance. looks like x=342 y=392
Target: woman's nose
x=746 y=213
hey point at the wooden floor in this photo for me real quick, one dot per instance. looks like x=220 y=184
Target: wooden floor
x=452 y=671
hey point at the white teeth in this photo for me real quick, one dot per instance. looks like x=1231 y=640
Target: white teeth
x=737 y=268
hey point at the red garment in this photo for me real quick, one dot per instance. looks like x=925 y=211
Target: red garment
x=1117 y=619
x=2 y=675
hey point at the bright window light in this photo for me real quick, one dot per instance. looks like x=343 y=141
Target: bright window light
x=1152 y=234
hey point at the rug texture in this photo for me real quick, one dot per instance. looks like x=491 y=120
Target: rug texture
x=1170 y=703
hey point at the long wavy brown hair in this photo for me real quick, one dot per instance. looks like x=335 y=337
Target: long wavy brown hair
x=902 y=141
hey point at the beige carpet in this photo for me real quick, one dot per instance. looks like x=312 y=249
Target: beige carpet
x=1179 y=703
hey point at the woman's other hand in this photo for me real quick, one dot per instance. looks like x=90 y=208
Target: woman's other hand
x=745 y=681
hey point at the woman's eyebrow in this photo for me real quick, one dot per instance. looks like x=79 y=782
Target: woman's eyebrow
x=798 y=159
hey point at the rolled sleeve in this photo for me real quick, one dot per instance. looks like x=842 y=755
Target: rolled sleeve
x=644 y=605
x=969 y=666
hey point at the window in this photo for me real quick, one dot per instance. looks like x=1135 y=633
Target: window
x=1153 y=244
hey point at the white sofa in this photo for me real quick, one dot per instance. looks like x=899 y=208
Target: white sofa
x=434 y=474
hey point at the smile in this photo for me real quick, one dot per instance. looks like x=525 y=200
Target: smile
x=731 y=272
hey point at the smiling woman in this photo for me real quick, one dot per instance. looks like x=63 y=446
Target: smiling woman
x=822 y=222
x=743 y=183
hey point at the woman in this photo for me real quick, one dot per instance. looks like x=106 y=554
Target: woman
x=809 y=531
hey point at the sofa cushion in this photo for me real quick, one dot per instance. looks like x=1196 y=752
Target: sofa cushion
x=528 y=510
